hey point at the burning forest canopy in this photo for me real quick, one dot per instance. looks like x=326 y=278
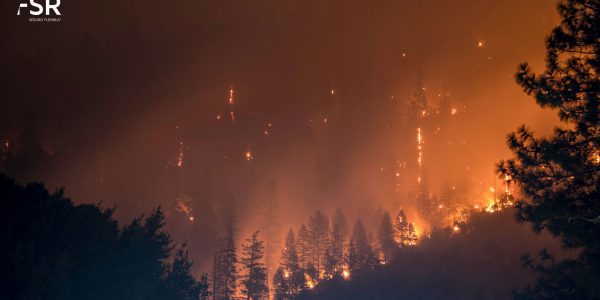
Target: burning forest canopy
x=241 y=116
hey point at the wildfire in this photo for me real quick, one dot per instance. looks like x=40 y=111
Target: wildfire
x=183 y=205
x=419 y=148
x=230 y=101
x=594 y=157
x=180 y=156
x=309 y=282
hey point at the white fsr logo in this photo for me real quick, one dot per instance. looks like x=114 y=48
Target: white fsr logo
x=40 y=8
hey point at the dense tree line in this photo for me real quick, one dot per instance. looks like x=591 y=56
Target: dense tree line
x=53 y=249
x=324 y=252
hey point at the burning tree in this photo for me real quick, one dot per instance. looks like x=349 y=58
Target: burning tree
x=289 y=278
x=404 y=231
x=255 y=281
x=559 y=175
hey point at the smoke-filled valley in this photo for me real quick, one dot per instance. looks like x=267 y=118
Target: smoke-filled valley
x=366 y=136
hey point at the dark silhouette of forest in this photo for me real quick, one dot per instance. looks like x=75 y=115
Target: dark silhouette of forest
x=53 y=249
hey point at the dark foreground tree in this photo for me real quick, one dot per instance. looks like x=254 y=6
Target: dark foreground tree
x=559 y=175
x=179 y=282
x=53 y=249
x=254 y=282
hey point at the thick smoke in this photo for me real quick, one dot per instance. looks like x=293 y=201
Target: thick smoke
x=111 y=100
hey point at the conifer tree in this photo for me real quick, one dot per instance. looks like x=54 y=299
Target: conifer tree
x=304 y=253
x=318 y=229
x=254 y=282
x=412 y=237
x=339 y=236
x=179 y=282
x=293 y=275
x=385 y=237
x=559 y=175
x=401 y=226
x=280 y=285
x=225 y=277
x=361 y=257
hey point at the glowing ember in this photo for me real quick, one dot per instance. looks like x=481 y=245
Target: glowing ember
x=455 y=228
x=345 y=274
x=248 y=155
x=180 y=157
x=480 y=44
x=453 y=111
x=419 y=147
x=231 y=112
x=309 y=282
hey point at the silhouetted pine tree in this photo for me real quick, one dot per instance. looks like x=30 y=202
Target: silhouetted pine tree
x=401 y=228
x=254 y=283
x=361 y=257
x=280 y=285
x=318 y=229
x=304 y=253
x=293 y=276
x=225 y=275
x=339 y=237
x=559 y=175
x=385 y=237
x=179 y=282
x=412 y=237
x=145 y=247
